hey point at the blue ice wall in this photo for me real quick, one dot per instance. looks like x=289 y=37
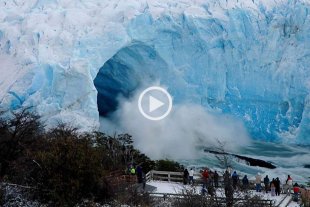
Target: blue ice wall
x=255 y=67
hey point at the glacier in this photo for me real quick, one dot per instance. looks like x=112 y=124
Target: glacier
x=249 y=59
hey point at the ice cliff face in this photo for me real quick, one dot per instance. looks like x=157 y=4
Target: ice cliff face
x=246 y=58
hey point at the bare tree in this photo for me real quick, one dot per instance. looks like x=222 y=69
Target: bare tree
x=225 y=159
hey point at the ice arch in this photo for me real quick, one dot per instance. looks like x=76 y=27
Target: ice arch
x=130 y=67
x=243 y=66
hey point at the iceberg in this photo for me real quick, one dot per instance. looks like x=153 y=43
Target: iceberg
x=249 y=59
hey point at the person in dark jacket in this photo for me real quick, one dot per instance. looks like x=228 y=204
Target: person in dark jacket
x=139 y=173
x=266 y=183
x=185 y=176
x=245 y=182
x=277 y=185
x=235 y=179
x=216 y=179
x=143 y=181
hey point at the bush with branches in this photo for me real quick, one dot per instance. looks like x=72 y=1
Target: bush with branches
x=305 y=198
x=62 y=166
x=17 y=134
x=1 y=197
x=168 y=165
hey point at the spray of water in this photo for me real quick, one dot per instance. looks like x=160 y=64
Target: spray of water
x=177 y=136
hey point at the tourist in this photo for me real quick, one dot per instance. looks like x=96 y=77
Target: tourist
x=216 y=179
x=143 y=181
x=204 y=191
x=229 y=169
x=266 y=183
x=289 y=183
x=258 y=181
x=132 y=170
x=235 y=178
x=278 y=184
x=245 y=182
x=273 y=187
x=139 y=174
x=185 y=176
x=191 y=176
x=205 y=178
x=296 y=192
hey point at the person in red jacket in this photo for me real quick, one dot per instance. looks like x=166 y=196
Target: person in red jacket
x=205 y=178
x=296 y=192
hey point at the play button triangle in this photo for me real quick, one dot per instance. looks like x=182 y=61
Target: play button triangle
x=154 y=104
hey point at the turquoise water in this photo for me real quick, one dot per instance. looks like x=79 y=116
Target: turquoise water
x=289 y=159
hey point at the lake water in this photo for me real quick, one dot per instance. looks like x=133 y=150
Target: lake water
x=289 y=159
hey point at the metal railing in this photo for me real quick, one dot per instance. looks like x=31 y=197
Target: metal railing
x=178 y=177
x=169 y=176
x=218 y=200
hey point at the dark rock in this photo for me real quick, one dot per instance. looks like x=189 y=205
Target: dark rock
x=249 y=160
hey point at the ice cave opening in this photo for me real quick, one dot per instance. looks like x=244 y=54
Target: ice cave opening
x=267 y=114
x=121 y=75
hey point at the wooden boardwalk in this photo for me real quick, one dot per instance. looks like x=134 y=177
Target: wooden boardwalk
x=177 y=177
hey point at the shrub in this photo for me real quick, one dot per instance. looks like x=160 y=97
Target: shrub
x=66 y=168
x=62 y=166
x=168 y=165
x=17 y=134
x=1 y=196
x=119 y=152
x=305 y=198
x=132 y=196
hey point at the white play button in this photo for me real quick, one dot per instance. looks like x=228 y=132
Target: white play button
x=154 y=104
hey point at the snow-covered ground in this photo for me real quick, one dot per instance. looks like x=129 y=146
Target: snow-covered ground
x=293 y=204
x=178 y=188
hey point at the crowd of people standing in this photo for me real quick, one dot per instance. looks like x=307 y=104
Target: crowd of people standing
x=231 y=182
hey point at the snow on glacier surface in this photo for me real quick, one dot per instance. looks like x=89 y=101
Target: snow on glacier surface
x=245 y=58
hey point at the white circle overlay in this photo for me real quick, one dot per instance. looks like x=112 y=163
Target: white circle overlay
x=157 y=88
